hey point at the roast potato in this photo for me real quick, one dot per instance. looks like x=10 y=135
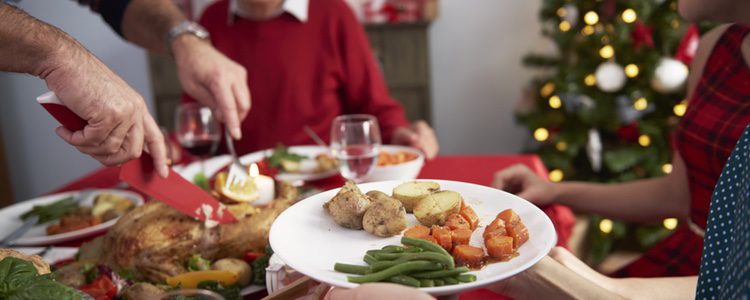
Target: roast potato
x=435 y=208
x=348 y=207
x=409 y=193
x=142 y=290
x=240 y=267
x=385 y=217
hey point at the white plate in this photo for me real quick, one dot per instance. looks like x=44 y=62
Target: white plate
x=306 y=238
x=37 y=235
x=218 y=163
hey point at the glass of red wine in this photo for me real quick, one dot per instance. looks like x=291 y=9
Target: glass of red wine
x=355 y=143
x=197 y=131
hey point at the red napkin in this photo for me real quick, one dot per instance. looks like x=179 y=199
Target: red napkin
x=174 y=190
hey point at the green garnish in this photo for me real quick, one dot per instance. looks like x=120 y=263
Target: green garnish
x=52 y=211
x=201 y=180
x=198 y=263
x=281 y=154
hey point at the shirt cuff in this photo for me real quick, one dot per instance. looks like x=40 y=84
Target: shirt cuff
x=112 y=12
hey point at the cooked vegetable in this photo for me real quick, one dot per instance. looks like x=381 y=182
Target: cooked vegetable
x=369 y=259
x=201 y=180
x=450 y=280
x=19 y=280
x=461 y=236
x=441 y=273
x=418 y=232
x=442 y=259
x=385 y=217
x=198 y=263
x=259 y=267
x=519 y=233
x=101 y=288
x=466 y=278
x=500 y=246
x=426 y=282
x=495 y=228
x=70 y=275
x=456 y=221
x=407 y=267
x=393 y=249
x=240 y=267
x=79 y=218
x=405 y=280
x=435 y=208
x=351 y=269
x=112 y=205
x=190 y=280
x=281 y=158
x=467 y=255
x=468 y=213
x=426 y=245
x=348 y=207
x=228 y=293
x=509 y=217
x=142 y=290
x=443 y=237
x=52 y=211
x=438 y=282
x=410 y=193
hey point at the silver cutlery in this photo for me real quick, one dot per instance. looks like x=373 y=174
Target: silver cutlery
x=238 y=174
x=15 y=235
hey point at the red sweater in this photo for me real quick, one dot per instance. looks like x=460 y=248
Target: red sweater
x=303 y=73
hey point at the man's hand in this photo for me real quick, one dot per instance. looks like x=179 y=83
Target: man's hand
x=119 y=124
x=420 y=136
x=213 y=79
x=520 y=180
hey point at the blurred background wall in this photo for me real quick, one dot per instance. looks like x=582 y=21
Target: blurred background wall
x=475 y=49
x=38 y=160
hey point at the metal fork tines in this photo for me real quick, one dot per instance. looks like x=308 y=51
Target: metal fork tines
x=237 y=173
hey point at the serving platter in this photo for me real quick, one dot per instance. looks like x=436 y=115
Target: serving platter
x=37 y=235
x=307 y=239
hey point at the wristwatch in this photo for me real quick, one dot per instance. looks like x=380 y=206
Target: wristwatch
x=188 y=27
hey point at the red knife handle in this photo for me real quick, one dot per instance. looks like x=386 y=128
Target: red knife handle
x=60 y=112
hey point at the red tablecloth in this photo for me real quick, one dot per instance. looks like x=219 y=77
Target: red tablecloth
x=478 y=169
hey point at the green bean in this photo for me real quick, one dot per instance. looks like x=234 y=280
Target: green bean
x=441 y=273
x=466 y=278
x=426 y=283
x=405 y=280
x=438 y=282
x=427 y=246
x=393 y=249
x=351 y=269
x=381 y=265
x=431 y=256
x=412 y=266
x=414 y=250
x=369 y=259
x=387 y=256
x=450 y=280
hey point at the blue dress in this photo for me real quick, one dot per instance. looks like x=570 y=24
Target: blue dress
x=725 y=266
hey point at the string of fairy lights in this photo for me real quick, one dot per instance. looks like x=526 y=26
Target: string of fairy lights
x=631 y=70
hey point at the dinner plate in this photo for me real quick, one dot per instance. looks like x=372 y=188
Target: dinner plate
x=307 y=239
x=218 y=163
x=37 y=235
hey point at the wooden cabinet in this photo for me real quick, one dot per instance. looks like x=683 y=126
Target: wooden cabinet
x=401 y=49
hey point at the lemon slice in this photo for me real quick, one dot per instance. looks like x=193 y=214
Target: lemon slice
x=247 y=192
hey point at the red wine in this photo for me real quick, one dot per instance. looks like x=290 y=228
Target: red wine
x=201 y=148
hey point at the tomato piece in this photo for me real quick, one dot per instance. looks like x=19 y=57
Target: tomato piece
x=252 y=256
x=102 y=288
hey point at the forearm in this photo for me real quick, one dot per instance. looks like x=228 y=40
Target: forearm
x=147 y=22
x=30 y=46
x=657 y=288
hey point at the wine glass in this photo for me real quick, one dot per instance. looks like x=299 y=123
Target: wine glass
x=197 y=131
x=355 y=143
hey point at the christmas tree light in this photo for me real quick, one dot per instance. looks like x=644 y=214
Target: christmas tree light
x=606 y=225
x=541 y=134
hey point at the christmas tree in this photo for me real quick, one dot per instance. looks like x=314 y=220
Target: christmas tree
x=607 y=101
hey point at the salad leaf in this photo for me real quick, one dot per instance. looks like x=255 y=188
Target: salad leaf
x=259 y=267
x=52 y=211
x=281 y=154
x=19 y=280
x=198 y=263
x=229 y=293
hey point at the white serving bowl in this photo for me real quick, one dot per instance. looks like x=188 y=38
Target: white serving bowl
x=404 y=171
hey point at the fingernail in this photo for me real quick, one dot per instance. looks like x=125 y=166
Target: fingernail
x=236 y=133
x=164 y=170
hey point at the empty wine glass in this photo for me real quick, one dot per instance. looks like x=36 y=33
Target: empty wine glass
x=197 y=131
x=355 y=142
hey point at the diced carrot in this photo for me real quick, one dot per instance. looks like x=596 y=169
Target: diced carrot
x=443 y=237
x=510 y=217
x=468 y=213
x=418 y=232
x=463 y=204
x=456 y=221
x=495 y=228
x=519 y=233
x=470 y=256
x=461 y=236
x=499 y=246
x=431 y=239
